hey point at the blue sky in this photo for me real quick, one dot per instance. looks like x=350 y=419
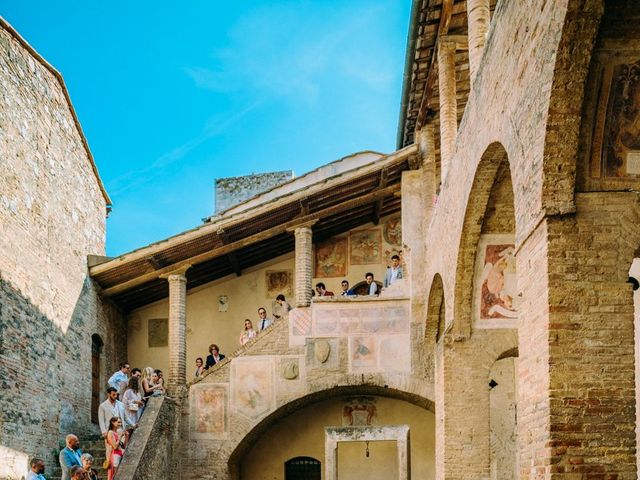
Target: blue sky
x=172 y=95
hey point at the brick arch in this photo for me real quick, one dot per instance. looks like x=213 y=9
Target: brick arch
x=562 y=131
x=398 y=387
x=436 y=309
x=493 y=160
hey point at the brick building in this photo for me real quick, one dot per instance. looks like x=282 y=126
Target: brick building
x=507 y=350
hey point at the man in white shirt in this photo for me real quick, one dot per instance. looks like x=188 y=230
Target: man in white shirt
x=111 y=407
x=394 y=272
x=120 y=379
x=263 y=321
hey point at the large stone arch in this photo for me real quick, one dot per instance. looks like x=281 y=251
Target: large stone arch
x=375 y=388
x=572 y=58
x=493 y=160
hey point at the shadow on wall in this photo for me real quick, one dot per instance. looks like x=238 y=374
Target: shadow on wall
x=45 y=374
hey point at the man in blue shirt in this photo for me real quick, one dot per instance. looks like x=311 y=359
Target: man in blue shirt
x=120 y=379
x=37 y=469
x=346 y=291
x=70 y=455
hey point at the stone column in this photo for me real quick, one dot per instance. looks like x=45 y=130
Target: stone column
x=177 y=375
x=304 y=262
x=426 y=140
x=479 y=18
x=448 y=104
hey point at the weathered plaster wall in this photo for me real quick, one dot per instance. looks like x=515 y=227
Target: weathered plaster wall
x=52 y=215
x=205 y=323
x=302 y=434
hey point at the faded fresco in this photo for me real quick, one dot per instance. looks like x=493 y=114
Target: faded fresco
x=381 y=318
x=359 y=411
x=208 y=404
x=496 y=287
x=622 y=132
x=158 y=332
x=394 y=353
x=392 y=231
x=253 y=386
x=331 y=258
x=366 y=247
x=363 y=353
x=279 y=282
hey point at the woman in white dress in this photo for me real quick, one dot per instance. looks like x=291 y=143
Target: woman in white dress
x=133 y=403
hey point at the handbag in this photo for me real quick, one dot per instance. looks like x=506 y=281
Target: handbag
x=105 y=464
x=134 y=407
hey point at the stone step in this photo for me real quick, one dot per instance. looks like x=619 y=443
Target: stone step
x=93 y=445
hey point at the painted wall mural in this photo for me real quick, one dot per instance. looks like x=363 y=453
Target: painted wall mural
x=158 y=332
x=392 y=231
x=331 y=258
x=366 y=247
x=622 y=131
x=279 y=282
x=359 y=411
x=208 y=410
x=495 y=283
x=253 y=386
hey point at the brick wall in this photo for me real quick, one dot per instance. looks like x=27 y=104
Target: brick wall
x=52 y=215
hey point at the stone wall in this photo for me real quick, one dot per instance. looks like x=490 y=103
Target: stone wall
x=52 y=215
x=234 y=190
x=148 y=454
x=228 y=409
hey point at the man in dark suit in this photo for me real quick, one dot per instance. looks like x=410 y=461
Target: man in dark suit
x=214 y=357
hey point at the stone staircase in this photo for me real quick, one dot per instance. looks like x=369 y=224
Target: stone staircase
x=93 y=444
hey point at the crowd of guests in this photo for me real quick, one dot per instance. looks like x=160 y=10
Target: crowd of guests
x=393 y=273
x=248 y=332
x=118 y=416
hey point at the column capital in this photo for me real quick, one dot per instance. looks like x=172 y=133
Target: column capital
x=307 y=224
x=458 y=42
x=177 y=275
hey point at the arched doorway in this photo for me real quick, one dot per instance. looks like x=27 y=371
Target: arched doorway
x=96 y=353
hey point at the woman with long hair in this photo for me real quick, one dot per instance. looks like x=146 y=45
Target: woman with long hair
x=114 y=446
x=247 y=333
x=149 y=387
x=133 y=403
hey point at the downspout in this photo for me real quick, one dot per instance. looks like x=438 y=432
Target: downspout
x=408 y=64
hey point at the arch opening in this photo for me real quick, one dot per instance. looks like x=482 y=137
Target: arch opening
x=270 y=443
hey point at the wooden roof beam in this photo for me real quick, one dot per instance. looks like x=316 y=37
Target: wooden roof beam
x=443 y=27
x=252 y=239
x=231 y=257
x=235 y=264
x=382 y=182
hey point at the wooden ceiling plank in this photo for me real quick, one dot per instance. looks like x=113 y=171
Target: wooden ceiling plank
x=255 y=238
x=443 y=28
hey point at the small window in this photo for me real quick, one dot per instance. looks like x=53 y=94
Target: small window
x=302 y=468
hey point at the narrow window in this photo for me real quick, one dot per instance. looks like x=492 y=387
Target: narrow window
x=302 y=468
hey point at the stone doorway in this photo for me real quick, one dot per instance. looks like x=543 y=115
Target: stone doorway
x=96 y=354
x=397 y=433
